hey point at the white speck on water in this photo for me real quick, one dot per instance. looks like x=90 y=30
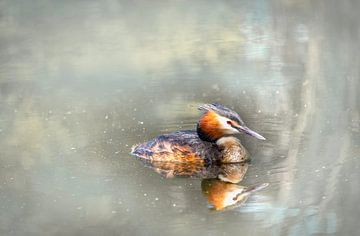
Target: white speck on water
x=68 y=112
x=256 y=176
x=79 y=208
x=145 y=194
x=114 y=212
x=317 y=170
x=277 y=91
x=127 y=209
x=215 y=87
x=259 y=111
x=305 y=105
x=141 y=122
x=156 y=199
x=73 y=177
x=106 y=117
x=324 y=167
x=73 y=148
x=50 y=111
x=174 y=205
x=324 y=197
x=244 y=92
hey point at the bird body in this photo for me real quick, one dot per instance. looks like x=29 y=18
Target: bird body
x=179 y=146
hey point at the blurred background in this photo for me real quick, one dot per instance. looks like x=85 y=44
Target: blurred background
x=82 y=81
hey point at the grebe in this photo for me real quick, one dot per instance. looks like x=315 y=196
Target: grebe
x=208 y=144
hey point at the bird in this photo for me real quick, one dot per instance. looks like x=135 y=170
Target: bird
x=211 y=142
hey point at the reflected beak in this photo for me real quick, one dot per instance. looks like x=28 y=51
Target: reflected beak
x=250 y=132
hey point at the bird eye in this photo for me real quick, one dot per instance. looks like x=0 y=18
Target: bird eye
x=229 y=122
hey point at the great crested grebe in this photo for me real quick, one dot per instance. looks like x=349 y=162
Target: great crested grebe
x=208 y=144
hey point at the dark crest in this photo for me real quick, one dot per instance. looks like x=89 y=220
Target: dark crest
x=222 y=110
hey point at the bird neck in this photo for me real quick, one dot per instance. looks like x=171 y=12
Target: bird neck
x=208 y=127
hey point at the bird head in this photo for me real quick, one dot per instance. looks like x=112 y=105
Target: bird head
x=218 y=121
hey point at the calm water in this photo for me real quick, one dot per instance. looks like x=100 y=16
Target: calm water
x=82 y=81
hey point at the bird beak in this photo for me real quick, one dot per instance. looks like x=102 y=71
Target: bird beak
x=250 y=132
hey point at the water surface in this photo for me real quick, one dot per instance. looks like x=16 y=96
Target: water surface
x=82 y=81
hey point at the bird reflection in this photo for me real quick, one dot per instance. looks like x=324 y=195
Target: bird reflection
x=218 y=180
x=223 y=195
x=232 y=172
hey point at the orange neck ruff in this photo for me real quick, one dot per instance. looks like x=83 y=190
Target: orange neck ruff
x=210 y=126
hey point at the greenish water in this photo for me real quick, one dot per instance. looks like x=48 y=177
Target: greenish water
x=82 y=81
